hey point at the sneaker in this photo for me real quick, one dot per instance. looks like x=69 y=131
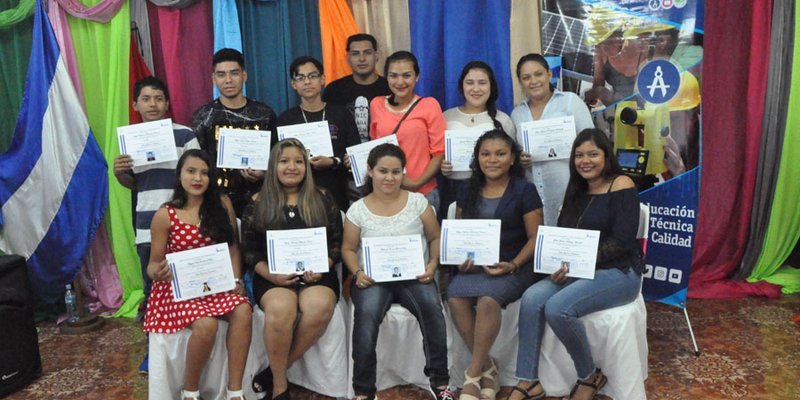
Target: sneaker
x=143 y=366
x=444 y=394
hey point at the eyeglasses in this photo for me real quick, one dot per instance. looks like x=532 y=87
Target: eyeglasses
x=314 y=76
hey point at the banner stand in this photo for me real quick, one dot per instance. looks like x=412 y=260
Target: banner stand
x=691 y=332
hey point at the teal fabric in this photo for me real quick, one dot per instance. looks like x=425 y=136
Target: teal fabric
x=273 y=34
x=15 y=50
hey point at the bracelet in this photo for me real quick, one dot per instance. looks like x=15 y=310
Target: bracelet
x=516 y=267
x=355 y=274
x=238 y=281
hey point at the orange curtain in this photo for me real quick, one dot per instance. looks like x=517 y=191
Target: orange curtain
x=336 y=25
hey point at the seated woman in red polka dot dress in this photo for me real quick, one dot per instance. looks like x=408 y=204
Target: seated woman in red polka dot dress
x=197 y=216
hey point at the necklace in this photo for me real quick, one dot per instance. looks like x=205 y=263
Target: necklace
x=306 y=119
x=584 y=212
x=292 y=210
x=393 y=110
x=470 y=115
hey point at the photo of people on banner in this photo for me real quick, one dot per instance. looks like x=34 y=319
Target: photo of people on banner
x=638 y=70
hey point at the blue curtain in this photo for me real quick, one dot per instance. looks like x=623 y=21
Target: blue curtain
x=446 y=35
x=273 y=34
x=226 y=30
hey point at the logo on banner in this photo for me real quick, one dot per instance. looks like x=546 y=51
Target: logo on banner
x=658 y=81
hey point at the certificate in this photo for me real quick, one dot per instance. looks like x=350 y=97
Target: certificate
x=358 y=157
x=294 y=251
x=315 y=136
x=243 y=148
x=393 y=258
x=549 y=139
x=200 y=272
x=475 y=239
x=459 y=146
x=148 y=143
x=574 y=248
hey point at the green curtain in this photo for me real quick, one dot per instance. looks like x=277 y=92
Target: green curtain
x=783 y=231
x=102 y=52
x=16 y=27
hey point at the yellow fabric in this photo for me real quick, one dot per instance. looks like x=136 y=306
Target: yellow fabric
x=388 y=21
x=525 y=36
x=336 y=24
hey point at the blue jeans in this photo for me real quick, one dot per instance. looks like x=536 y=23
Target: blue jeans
x=433 y=199
x=371 y=305
x=561 y=306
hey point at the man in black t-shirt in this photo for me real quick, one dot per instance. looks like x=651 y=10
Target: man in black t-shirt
x=232 y=110
x=355 y=91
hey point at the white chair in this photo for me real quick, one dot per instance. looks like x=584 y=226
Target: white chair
x=401 y=359
x=504 y=350
x=323 y=368
x=167 y=361
x=618 y=339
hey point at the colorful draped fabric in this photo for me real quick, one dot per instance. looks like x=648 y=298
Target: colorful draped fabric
x=15 y=49
x=336 y=25
x=102 y=52
x=728 y=170
x=783 y=231
x=226 y=30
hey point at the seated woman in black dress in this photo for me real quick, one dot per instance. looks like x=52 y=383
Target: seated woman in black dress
x=497 y=189
x=289 y=200
x=599 y=197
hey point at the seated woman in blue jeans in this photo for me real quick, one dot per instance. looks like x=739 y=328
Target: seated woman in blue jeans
x=598 y=197
x=390 y=210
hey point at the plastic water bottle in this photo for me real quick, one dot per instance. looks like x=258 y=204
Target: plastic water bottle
x=72 y=306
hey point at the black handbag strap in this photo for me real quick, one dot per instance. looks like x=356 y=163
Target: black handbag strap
x=396 y=128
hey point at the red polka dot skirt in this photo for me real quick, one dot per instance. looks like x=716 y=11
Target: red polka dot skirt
x=164 y=314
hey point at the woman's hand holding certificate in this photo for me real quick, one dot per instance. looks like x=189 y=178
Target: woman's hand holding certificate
x=459 y=145
x=202 y=271
x=393 y=258
x=296 y=251
x=572 y=250
x=474 y=240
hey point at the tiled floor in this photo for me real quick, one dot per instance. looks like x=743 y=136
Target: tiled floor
x=750 y=349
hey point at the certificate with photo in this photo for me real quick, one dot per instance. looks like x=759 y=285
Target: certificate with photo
x=393 y=258
x=201 y=272
x=315 y=136
x=575 y=249
x=243 y=149
x=148 y=143
x=459 y=144
x=358 y=157
x=294 y=251
x=475 y=239
x=549 y=139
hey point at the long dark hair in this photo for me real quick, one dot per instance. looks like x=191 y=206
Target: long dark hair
x=214 y=221
x=398 y=56
x=578 y=186
x=380 y=151
x=491 y=103
x=478 y=178
x=269 y=212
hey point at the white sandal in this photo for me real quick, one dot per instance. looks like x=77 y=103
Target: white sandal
x=195 y=395
x=470 y=380
x=233 y=394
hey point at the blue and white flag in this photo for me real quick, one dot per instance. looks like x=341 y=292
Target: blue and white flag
x=53 y=178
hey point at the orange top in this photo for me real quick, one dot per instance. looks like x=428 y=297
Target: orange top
x=421 y=135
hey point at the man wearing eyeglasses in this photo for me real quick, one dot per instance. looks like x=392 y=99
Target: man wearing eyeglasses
x=356 y=90
x=330 y=172
x=232 y=110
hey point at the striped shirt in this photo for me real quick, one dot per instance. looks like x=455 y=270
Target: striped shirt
x=155 y=182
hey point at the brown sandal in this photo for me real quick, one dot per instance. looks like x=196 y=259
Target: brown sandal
x=526 y=392
x=596 y=381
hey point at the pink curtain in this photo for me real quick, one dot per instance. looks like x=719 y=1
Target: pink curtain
x=733 y=107
x=101 y=12
x=183 y=47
